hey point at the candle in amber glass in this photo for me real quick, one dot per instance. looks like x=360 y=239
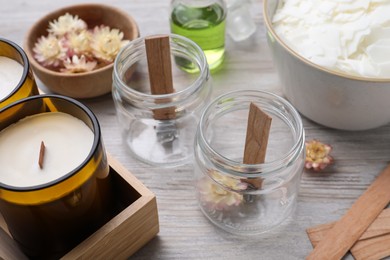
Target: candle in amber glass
x=16 y=77
x=54 y=183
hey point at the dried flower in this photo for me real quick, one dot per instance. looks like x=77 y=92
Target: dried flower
x=79 y=43
x=78 y=65
x=71 y=48
x=66 y=24
x=215 y=192
x=106 y=43
x=317 y=155
x=49 y=51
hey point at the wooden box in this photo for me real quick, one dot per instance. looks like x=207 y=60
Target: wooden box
x=132 y=227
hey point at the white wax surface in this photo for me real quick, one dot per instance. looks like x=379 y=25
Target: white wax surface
x=351 y=36
x=68 y=142
x=10 y=74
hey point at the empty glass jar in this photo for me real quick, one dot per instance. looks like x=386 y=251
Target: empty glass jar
x=167 y=142
x=248 y=198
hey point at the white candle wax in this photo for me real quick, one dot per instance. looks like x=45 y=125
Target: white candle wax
x=67 y=139
x=10 y=74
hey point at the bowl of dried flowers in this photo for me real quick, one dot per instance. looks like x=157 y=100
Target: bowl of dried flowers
x=72 y=49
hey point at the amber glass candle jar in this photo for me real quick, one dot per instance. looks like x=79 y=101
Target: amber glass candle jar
x=48 y=208
x=16 y=77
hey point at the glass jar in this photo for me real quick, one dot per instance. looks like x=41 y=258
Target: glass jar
x=15 y=83
x=163 y=142
x=240 y=24
x=58 y=209
x=204 y=22
x=224 y=185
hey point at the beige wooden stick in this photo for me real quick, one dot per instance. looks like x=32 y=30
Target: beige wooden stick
x=381 y=226
x=160 y=72
x=341 y=237
x=256 y=141
x=372 y=249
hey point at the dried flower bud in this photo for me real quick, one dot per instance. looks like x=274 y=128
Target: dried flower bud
x=106 y=43
x=79 y=43
x=78 y=65
x=317 y=155
x=49 y=51
x=66 y=23
x=215 y=196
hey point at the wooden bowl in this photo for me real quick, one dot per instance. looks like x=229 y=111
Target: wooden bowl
x=81 y=85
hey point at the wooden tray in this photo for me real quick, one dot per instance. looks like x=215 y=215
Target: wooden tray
x=135 y=223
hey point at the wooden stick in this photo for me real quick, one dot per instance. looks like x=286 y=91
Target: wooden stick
x=158 y=54
x=372 y=249
x=257 y=133
x=41 y=155
x=352 y=225
x=381 y=226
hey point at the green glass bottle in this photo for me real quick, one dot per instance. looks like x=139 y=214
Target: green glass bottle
x=202 y=21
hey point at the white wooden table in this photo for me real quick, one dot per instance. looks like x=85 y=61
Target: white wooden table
x=184 y=231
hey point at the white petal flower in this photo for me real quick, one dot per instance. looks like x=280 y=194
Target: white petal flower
x=106 y=43
x=49 y=51
x=79 y=43
x=220 y=195
x=78 y=65
x=66 y=24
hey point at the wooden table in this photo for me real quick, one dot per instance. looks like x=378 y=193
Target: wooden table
x=184 y=231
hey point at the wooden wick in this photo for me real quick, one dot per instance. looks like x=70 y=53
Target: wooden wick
x=158 y=54
x=259 y=124
x=373 y=243
x=41 y=155
x=381 y=226
x=344 y=234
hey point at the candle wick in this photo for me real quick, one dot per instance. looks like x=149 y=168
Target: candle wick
x=41 y=155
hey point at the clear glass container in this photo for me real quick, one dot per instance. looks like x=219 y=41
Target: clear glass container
x=225 y=186
x=166 y=142
x=204 y=22
x=240 y=24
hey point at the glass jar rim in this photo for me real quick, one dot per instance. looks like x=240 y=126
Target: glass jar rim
x=96 y=131
x=203 y=69
x=26 y=67
x=262 y=170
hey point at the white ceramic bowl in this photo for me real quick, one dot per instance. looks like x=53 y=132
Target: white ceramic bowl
x=327 y=97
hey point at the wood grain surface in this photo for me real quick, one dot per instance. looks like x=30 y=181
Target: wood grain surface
x=184 y=232
x=347 y=231
x=381 y=226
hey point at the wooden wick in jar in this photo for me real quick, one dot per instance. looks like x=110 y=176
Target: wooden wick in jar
x=259 y=124
x=158 y=54
x=41 y=155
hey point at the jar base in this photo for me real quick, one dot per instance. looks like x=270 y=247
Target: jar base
x=242 y=223
x=167 y=143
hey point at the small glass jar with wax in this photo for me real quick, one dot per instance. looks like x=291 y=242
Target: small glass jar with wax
x=16 y=77
x=55 y=184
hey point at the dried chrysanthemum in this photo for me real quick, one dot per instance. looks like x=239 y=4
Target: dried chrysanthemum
x=317 y=155
x=65 y=24
x=79 y=43
x=78 y=65
x=49 y=51
x=106 y=43
x=218 y=196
